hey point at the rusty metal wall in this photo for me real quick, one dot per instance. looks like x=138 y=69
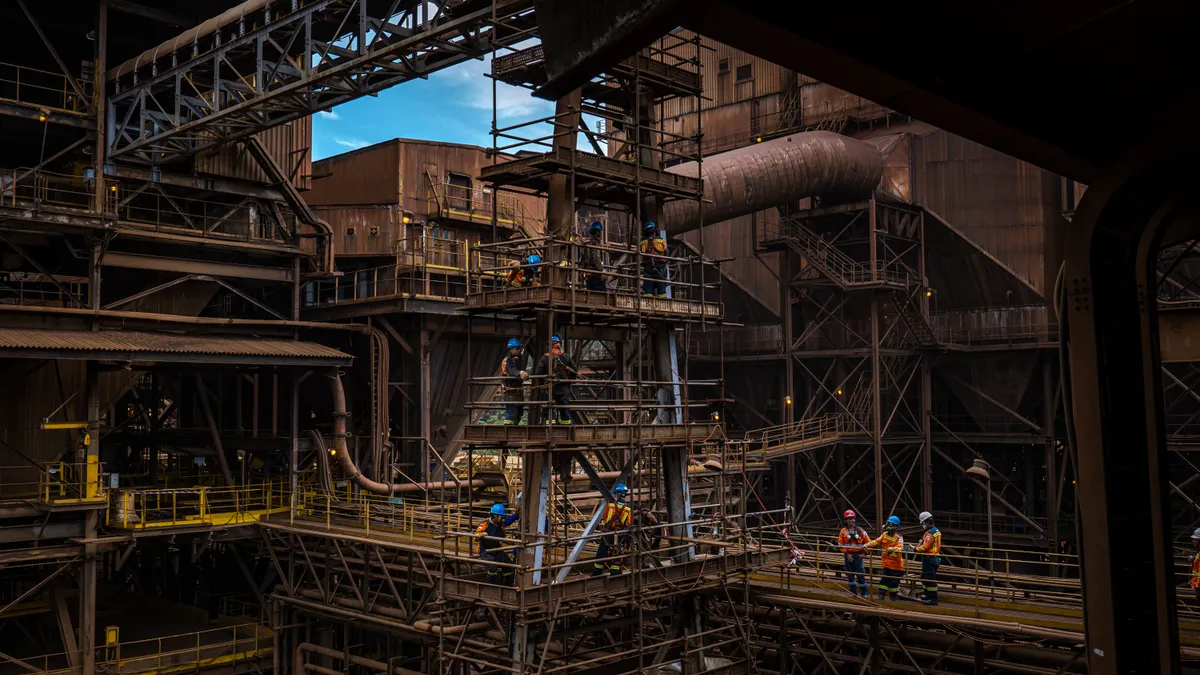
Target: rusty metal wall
x=289 y=144
x=369 y=229
x=1007 y=206
x=369 y=175
x=733 y=239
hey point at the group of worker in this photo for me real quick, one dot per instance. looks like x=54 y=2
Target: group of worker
x=653 y=247
x=854 y=542
x=613 y=529
x=514 y=377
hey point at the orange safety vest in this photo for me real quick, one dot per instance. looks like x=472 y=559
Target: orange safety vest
x=1195 y=581
x=891 y=547
x=616 y=516
x=656 y=245
x=931 y=542
x=852 y=540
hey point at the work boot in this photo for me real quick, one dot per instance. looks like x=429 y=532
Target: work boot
x=894 y=596
x=866 y=592
x=662 y=296
x=882 y=595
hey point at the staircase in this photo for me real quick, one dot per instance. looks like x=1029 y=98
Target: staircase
x=838 y=267
x=807 y=434
x=918 y=328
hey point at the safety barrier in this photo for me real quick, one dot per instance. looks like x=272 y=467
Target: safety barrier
x=161 y=508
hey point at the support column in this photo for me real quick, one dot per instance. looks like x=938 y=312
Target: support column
x=90 y=456
x=785 y=317
x=927 y=433
x=1049 y=470
x=876 y=404
x=100 y=152
x=560 y=202
x=426 y=377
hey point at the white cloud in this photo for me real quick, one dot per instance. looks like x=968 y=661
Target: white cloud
x=329 y=115
x=475 y=90
x=352 y=143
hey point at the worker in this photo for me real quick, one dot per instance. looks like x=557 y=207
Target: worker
x=490 y=533
x=593 y=258
x=522 y=276
x=560 y=391
x=654 y=265
x=851 y=539
x=1194 y=580
x=891 y=549
x=512 y=369
x=930 y=549
x=616 y=518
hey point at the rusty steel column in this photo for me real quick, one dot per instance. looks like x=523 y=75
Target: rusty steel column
x=100 y=151
x=1051 y=478
x=787 y=411
x=426 y=376
x=876 y=407
x=560 y=200
x=87 y=572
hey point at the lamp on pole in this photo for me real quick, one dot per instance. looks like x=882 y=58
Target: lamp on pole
x=982 y=471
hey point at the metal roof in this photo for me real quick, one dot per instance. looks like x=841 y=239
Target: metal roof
x=122 y=345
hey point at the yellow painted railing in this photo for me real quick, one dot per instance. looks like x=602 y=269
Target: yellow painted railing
x=71 y=482
x=158 y=508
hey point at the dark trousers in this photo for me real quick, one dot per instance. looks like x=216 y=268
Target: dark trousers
x=514 y=410
x=654 y=280
x=929 y=568
x=501 y=576
x=560 y=415
x=595 y=282
x=610 y=545
x=889 y=583
x=856 y=573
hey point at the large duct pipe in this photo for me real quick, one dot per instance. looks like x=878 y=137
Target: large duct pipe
x=779 y=171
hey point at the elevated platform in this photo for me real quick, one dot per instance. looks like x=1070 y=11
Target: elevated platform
x=527 y=68
x=597 y=305
x=588 y=434
x=598 y=179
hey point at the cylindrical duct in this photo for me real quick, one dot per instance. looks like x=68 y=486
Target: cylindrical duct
x=779 y=171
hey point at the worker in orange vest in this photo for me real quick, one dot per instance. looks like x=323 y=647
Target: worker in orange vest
x=617 y=516
x=891 y=548
x=653 y=247
x=851 y=539
x=490 y=533
x=930 y=549
x=1194 y=581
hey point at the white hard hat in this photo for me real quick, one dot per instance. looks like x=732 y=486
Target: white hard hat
x=925 y=515
x=1196 y=534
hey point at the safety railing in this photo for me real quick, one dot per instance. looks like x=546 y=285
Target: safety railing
x=586 y=269
x=241 y=606
x=1024 y=324
x=42 y=88
x=72 y=482
x=1000 y=523
x=227 y=646
x=162 y=508
x=22 y=481
x=416 y=514
x=38 y=189
x=478 y=205
x=795 y=435
x=942 y=423
x=835 y=263
x=42 y=290
x=246 y=220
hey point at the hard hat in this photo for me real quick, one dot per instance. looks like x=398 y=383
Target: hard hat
x=848 y=514
x=1196 y=534
x=498 y=510
x=893 y=520
x=533 y=259
x=555 y=338
x=649 y=226
x=925 y=515
x=513 y=343
x=620 y=487
x=596 y=226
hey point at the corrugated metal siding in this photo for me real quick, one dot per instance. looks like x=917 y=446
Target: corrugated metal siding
x=369 y=175
x=289 y=144
x=733 y=239
x=143 y=342
x=385 y=218
x=997 y=201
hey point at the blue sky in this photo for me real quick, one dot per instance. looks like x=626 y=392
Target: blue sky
x=453 y=105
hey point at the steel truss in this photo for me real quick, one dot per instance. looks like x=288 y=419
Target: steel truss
x=285 y=62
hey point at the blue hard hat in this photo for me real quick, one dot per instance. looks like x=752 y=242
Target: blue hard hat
x=649 y=225
x=533 y=259
x=596 y=226
x=514 y=343
x=498 y=510
x=893 y=520
x=555 y=338
x=620 y=487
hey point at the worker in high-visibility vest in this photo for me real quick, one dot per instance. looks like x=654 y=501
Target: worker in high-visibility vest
x=891 y=549
x=490 y=533
x=930 y=549
x=616 y=518
x=653 y=247
x=851 y=540
x=593 y=258
x=512 y=369
x=1194 y=580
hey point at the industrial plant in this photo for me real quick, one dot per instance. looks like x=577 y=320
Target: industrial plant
x=779 y=341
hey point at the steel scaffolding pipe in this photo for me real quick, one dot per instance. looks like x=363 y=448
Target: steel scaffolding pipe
x=779 y=171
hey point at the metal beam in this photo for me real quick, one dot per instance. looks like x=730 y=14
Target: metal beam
x=194 y=182
x=152 y=13
x=54 y=53
x=209 y=268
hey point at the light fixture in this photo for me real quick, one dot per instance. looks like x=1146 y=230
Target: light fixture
x=405 y=219
x=980 y=469
x=716 y=416
x=41 y=117
x=758 y=139
x=839 y=392
x=333 y=452
x=112 y=188
x=787 y=400
x=928 y=292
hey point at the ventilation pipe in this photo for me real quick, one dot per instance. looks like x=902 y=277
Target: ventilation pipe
x=779 y=171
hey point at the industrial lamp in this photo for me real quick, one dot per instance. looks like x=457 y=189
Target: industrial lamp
x=787 y=400
x=981 y=470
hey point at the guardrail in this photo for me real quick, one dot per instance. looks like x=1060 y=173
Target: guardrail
x=162 y=508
